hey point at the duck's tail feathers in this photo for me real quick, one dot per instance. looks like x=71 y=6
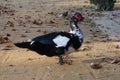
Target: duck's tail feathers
x=22 y=44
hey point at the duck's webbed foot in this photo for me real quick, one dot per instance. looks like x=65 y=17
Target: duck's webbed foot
x=64 y=61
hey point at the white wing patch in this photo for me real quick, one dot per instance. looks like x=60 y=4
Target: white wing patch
x=61 y=41
x=32 y=42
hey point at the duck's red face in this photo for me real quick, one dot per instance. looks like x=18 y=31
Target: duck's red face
x=78 y=17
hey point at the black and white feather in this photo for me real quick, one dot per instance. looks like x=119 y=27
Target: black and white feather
x=57 y=43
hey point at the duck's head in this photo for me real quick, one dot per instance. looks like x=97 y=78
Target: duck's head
x=76 y=17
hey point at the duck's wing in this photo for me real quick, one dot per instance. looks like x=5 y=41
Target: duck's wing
x=58 y=39
x=46 y=39
x=61 y=41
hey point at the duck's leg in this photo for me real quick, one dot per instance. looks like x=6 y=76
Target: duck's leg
x=60 y=60
x=67 y=59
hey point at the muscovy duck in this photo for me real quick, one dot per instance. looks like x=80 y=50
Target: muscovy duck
x=57 y=43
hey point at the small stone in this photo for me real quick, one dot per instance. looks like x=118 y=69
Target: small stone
x=48 y=67
x=38 y=22
x=51 y=13
x=23 y=35
x=20 y=6
x=6 y=38
x=96 y=65
x=11 y=65
x=52 y=22
x=3 y=39
x=30 y=58
x=10 y=24
x=86 y=2
x=8 y=34
x=13 y=29
x=27 y=31
x=7 y=47
x=117 y=46
x=45 y=32
x=38 y=30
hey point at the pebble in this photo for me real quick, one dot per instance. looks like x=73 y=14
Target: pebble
x=4 y=39
x=23 y=35
x=8 y=34
x=6 y=48
x=95 y=65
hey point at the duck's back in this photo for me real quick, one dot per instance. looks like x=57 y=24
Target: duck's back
x=48 y=39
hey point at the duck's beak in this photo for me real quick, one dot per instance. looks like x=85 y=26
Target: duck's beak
x=82 y=19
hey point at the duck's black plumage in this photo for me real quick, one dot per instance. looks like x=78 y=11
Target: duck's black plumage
x=48 y=38
x=45 y=45
x=57 y=43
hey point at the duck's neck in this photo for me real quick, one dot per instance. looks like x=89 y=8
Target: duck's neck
x=76 y=30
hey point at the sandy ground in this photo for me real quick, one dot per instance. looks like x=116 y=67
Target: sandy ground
x=109 y=23
x=21 y=20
